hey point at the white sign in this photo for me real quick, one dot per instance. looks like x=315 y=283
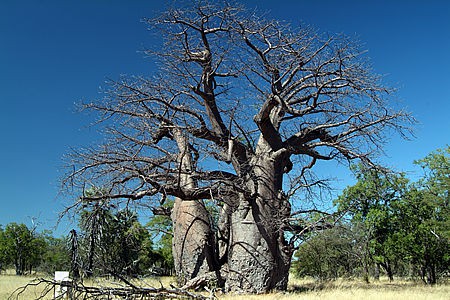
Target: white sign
x=62 y=276
x=61 y=292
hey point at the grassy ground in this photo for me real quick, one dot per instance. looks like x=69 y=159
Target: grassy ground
x=352 y=290
x=9 y=283
x=298 y=289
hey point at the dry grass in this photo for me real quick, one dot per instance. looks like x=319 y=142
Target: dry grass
x=298 y=289
x=9 y=283
x=345 y=289
x=413 y=293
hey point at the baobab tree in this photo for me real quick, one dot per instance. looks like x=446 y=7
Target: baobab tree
x=232 y=124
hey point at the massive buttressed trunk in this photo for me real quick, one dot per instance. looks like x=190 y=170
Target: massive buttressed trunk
x=259 y=257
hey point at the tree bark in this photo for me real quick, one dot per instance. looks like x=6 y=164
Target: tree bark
x=193 y=246
x=376 y=274
x=388 y=268
x=430 y=273
x=259 y=258
x=193 y=243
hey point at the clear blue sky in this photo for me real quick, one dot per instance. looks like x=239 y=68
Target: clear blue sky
x=55 y=53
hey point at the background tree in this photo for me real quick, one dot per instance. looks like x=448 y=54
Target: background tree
x=94 y=218
x=425 y=218
x=113 y=241
x=186 y=133
x=421 y=242
x=55 y=253
x=125 y=245
x=19 y=247
x=161 y=230
x=164 y=248
x=3 y=257
x=401 y=226
x=370 y=202
x=329 y=254
x=27 y=250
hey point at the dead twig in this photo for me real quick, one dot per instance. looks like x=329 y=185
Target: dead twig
x=77 y=290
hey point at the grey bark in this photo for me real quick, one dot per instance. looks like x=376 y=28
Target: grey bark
x=257 y=262
x=192 y=248
x=260 y=257
x=192 y=243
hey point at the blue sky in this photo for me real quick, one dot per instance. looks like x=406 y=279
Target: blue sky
x=56 y=53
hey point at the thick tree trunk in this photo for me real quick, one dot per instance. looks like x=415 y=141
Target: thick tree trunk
x=256 y=261
x=193 y=243
x=258 y=258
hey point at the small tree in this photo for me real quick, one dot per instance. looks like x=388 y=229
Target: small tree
x=329 y=254
x=123 y=244
x=19 y=247
x=94 y=218
x=113 y=241
x=371 y=203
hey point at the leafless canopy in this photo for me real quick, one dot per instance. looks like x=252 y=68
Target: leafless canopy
x=228 y=79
